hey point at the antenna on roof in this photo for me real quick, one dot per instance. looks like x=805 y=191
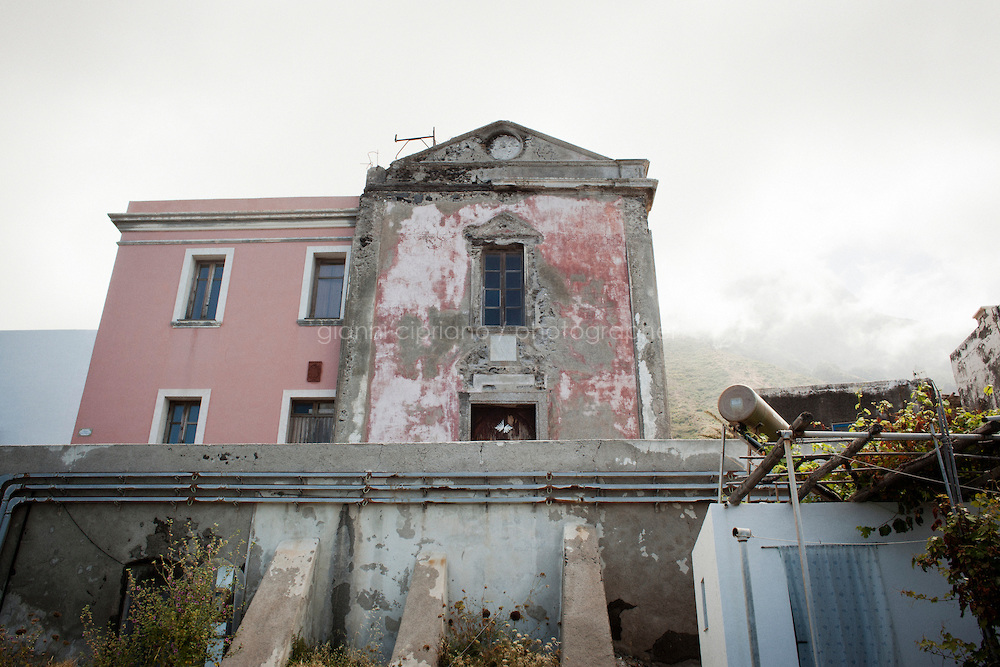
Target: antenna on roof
x=420 y=139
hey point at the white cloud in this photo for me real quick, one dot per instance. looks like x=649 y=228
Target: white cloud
x=824 y=167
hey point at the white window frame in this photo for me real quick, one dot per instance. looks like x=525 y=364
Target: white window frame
x=191 y=258
x=286 y=407
x=313 y=253
x=160 y=412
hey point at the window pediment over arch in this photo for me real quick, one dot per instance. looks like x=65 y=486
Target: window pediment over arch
x=502 y=229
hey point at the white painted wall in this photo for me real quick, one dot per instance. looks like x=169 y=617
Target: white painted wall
x=41 y=381
x=716 y=561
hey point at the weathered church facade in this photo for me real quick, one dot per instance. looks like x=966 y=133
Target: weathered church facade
x=503 y=267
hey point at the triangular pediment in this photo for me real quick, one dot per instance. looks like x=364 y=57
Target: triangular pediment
x=507 y=156
x=504 y=226
x=504 y=141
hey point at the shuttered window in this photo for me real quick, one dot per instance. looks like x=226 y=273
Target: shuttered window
x=503 y=422
x=311 y=421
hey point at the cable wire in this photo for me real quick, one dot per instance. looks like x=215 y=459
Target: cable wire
x=84 y=533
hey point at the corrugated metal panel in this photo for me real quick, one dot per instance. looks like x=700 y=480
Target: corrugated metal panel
x=852 y=619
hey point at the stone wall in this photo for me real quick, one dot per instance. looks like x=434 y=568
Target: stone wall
x=976 y=362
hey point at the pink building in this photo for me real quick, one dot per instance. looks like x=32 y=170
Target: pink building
x=220 y=320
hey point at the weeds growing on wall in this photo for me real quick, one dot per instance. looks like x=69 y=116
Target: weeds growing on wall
x=328 y=655
x=19 y=647
x=475 y=637
x=172 y=624
x=478 y=637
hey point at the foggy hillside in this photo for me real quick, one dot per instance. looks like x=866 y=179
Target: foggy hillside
x=697 y=372
x=853 y=344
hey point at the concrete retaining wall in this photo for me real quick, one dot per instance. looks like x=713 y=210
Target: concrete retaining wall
x=499 y=553
x=423 y=625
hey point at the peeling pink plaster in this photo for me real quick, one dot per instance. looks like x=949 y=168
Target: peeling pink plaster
x=428 y=267
x=575 y=231
x=427 y=271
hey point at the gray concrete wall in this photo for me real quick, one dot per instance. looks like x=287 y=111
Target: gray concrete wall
x=586 y=632
x=63 y=557
x=652 y=377
x=837 y=403
x=277 y=615
x=422 y=627
x=499 y=553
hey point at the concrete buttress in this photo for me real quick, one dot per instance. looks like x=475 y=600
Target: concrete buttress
x=586 y=631
x=278 y=610
x=422 y=626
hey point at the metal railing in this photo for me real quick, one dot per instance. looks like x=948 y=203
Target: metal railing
x=362 y=488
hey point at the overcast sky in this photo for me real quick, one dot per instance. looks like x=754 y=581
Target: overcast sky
x=829 y=172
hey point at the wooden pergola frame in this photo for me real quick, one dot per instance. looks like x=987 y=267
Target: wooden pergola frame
x=813 y=483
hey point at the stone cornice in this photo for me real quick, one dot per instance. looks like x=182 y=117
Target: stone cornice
x=530 y=183
x=305 y=219
x=627 y=186
x=636 y=164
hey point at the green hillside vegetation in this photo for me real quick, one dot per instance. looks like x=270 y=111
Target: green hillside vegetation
x=697 y=372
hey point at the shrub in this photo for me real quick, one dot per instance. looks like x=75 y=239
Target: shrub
x=481 y=638
x=172 y=624
x=329 y=656
x=18 y=647
x=967 y=554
